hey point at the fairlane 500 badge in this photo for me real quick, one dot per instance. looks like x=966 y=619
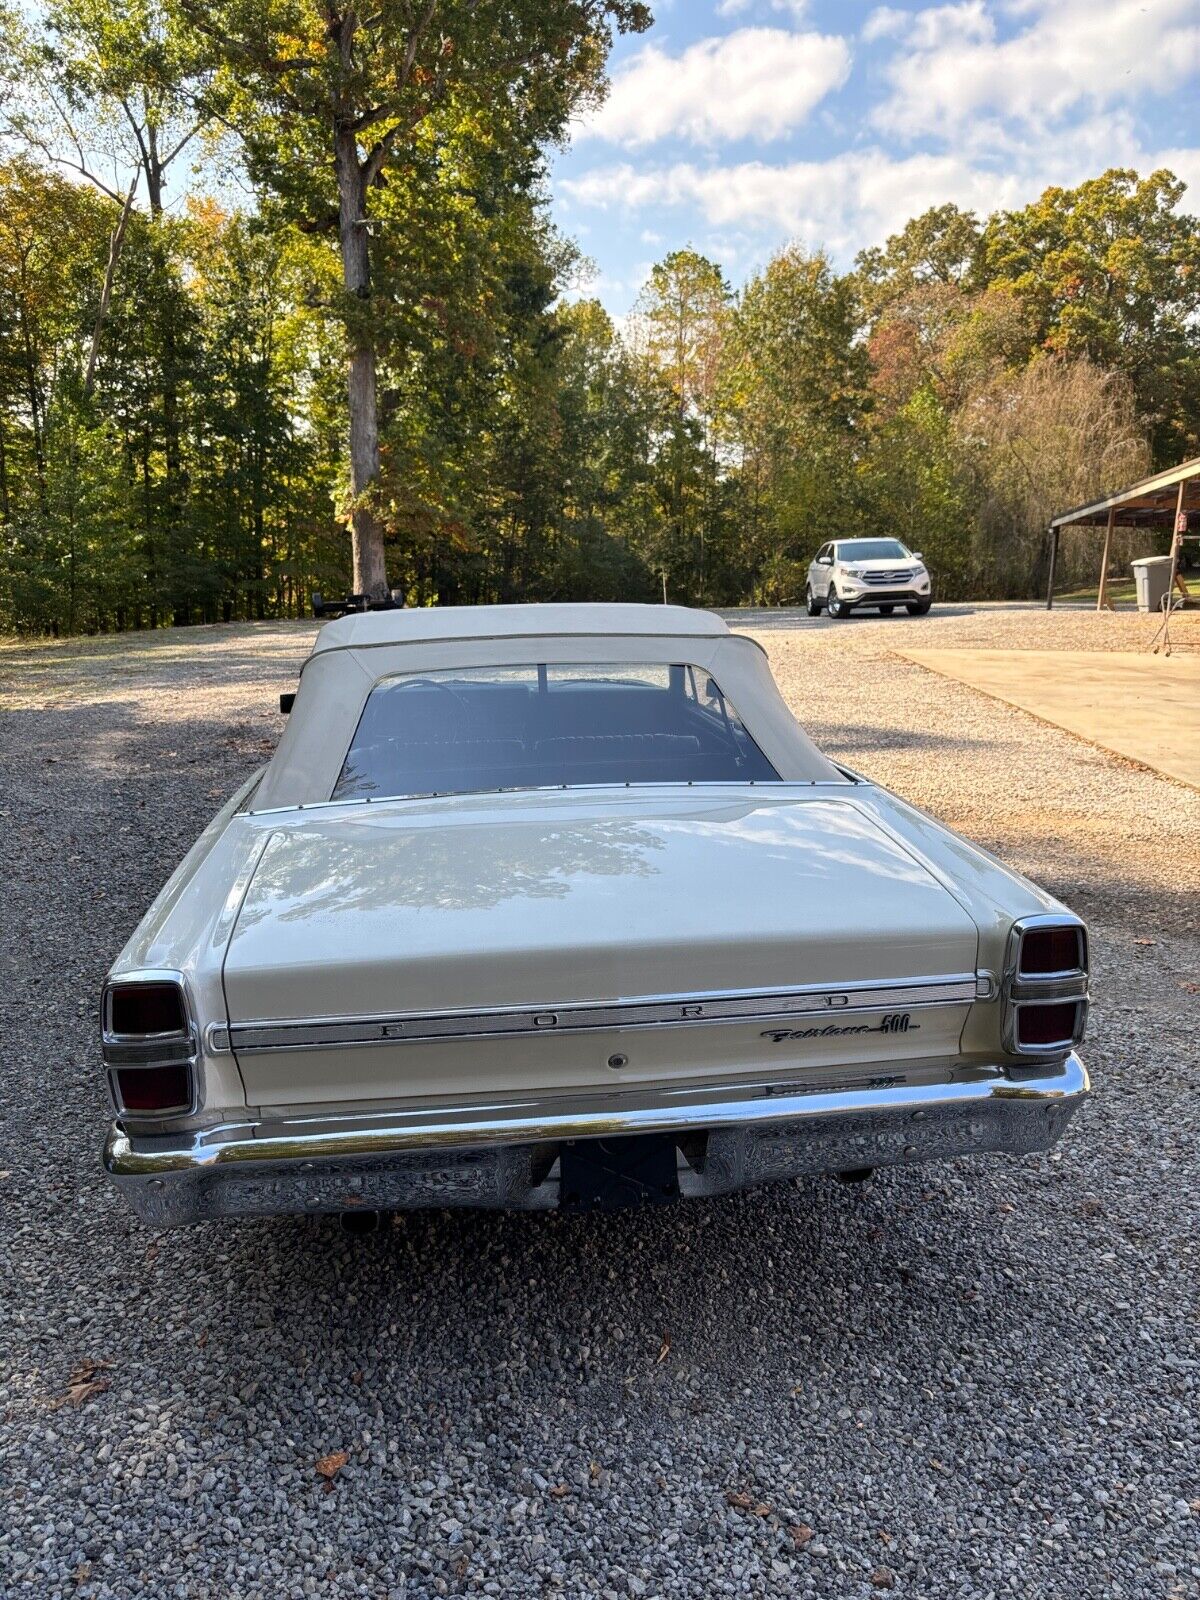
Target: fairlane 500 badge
x=894 y=1022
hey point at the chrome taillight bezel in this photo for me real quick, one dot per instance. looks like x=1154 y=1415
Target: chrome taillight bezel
x=129 y=1052
x=1019 y=989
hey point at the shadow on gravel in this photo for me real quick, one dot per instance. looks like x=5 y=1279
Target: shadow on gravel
x=868 y=736
x=792 y=1270
x=788 y=618
x=72 y=738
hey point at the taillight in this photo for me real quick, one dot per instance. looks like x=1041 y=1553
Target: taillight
x=154 y=1089
x=1039 y=1027
x=1045 y=985
x=143 y=1009
x=149 y=1045
x=1045 y=951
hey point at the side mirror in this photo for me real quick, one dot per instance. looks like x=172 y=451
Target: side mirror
x=286 y=702
x=917 y=556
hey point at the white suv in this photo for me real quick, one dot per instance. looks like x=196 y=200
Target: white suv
x=850 y=573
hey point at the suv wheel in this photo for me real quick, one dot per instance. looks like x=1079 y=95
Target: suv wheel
x=918 y=607
x=811 y=604
x=837 y=606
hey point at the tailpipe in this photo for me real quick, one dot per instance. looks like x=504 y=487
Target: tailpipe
x=360 y=1222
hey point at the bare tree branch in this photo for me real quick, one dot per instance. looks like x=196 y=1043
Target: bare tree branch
x=114 y=255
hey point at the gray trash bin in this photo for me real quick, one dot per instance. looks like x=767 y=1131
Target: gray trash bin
x=1152 y=575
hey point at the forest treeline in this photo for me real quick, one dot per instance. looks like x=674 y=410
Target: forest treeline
x=176 y=324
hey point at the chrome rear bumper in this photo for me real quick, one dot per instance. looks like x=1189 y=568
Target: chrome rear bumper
x=504 y=1156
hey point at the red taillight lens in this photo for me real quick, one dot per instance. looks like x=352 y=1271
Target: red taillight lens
x=146 y=1008
x=155 y=1088
x=1046 y=1025
x=1046 y=950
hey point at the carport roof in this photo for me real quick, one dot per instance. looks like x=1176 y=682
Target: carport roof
x=1145 y=501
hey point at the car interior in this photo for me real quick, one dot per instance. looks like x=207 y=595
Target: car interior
x=459 y=731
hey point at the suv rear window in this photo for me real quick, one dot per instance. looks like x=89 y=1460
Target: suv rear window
x=461 y=730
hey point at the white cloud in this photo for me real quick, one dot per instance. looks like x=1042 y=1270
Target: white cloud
x=859 y=197
x=951 y=64
x=757 y=83
x=885 y=22
x=735 y=8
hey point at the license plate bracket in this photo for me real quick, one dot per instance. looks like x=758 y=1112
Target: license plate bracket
x=612 y=1174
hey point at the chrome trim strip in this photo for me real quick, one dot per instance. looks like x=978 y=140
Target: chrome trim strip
x=689 y=1010
x=771 y=785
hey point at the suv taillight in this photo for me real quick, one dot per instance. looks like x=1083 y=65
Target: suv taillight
x=1045 y=985
x=149 y=1045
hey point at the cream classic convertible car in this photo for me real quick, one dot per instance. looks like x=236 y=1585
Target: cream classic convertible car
x=542 y=906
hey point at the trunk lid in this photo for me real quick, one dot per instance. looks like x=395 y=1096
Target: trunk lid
x=552 y=902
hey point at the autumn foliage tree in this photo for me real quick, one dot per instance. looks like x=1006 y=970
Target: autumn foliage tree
x=329 y=99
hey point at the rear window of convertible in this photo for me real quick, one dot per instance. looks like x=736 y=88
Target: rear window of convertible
x=460 y=730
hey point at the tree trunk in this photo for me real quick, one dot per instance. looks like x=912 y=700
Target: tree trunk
x=5 y=508
x=114 y=255
x=366 y=531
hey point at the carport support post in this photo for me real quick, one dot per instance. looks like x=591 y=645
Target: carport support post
x=1053 y=564
x=1102 y=599
x=1176 y=546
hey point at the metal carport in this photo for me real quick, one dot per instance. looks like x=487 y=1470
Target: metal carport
x=1151 y=501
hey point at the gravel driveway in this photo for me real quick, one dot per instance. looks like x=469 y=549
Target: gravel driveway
x=960 y=1380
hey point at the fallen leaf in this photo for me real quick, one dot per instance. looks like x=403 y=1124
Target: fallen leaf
x=800 y=1534
x=356 y=1377
x=883 y=1578
x=202 y=1339
x=594 y=1471
x=83 y=1384
x=560 y=1491
x=886 y=1536
x=1146 y=941
x=1188 y=988
x=664 y=1349
x=329 y=1466
x=1005 y=1207
x=741 y=1501
x=1091 y=1207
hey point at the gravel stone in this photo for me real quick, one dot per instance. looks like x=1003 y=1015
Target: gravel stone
x=978 y=1378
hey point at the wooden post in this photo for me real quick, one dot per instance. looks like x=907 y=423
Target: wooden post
x=1102 y=599
x=1053 y=564
x=1176 y=545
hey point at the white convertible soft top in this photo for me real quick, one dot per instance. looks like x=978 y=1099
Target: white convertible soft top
x=427 y=624
x=355 y=653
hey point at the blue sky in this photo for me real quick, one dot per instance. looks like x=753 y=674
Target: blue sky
x=738 y=125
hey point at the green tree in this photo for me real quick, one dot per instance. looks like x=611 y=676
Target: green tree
x=681 y=322
x=940 y=247
x=1111 y=271
x=796 y=395
x=329 y=100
